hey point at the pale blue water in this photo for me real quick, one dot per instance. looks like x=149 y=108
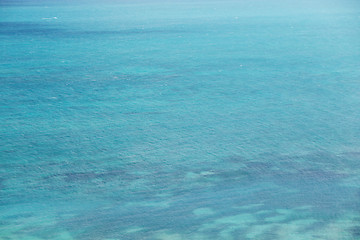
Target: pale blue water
x=180 y=120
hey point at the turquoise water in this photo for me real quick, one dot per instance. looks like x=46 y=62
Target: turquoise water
x=180 y=120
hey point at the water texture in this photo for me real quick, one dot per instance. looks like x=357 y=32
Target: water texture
x=176 y=120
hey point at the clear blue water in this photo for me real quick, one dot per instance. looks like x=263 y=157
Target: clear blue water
x=180 y=120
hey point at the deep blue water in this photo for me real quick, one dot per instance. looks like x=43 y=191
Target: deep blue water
x=180 y=120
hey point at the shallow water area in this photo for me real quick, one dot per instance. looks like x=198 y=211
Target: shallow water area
x=179 y=120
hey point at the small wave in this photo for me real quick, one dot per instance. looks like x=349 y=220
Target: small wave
x=49 y=18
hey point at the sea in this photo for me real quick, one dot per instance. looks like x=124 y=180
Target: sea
x=180 y=120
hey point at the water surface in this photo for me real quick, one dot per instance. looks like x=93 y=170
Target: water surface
x=180 y=120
